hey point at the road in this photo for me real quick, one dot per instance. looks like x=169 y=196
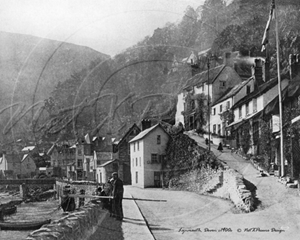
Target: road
x=187 y=215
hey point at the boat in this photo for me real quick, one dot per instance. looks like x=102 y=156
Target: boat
x=23 y=226
x=8 y=210
x=15 y=202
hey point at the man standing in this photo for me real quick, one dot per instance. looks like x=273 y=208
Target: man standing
x=117 y=193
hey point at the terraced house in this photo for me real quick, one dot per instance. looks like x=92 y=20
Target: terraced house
x=213 y=82
x=248 y=111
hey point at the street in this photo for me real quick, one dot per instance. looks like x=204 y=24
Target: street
x=187 y=215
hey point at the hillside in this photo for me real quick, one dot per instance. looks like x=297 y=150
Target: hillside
x=106 y=97
x=27 y=62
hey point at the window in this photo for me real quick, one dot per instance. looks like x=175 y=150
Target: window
x=79 y=163
x=214 y=128
x=219 y=129
x=136 y=162
x=140 y=162
x=221 y=108
x=193 y=104
x=158 y=139
x=154 y=158
x=255 y=133
x=240 y=112
x=248 y=89
x=254 y=104
x=136 y=177
x=222 y=84
x=247 y=108
x=133 y=162
x=227 y=105
x=138 y=145
x=214 y=111
x=79 y=152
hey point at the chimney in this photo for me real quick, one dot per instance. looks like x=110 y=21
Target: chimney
x=146 y=123
x=227 y=59
x=257 y=73
x=294 y=62
x=266 y=70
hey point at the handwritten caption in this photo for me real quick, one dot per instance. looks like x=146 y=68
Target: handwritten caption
x=226 y=229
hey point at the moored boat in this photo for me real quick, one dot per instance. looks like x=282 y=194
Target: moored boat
x=23 y=226
x=8 y=210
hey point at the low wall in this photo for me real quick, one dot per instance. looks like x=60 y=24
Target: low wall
x=224 y=183
x=78 y=225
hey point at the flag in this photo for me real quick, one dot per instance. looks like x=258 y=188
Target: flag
x=265 y=40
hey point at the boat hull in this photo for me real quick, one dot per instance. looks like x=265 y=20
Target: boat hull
x=23 y=226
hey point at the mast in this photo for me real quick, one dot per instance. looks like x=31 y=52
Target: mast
x=279 y=92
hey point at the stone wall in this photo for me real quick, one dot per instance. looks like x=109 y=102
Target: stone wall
x=78 y=225
x=224 y=183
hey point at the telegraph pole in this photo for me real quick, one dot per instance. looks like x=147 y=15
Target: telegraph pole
x=208 y=104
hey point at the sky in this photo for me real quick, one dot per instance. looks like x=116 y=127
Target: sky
x=108 y=26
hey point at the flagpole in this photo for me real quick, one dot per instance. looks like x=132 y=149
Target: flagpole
x=279 y=92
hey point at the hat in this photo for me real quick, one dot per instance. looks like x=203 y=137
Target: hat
x=114 y=173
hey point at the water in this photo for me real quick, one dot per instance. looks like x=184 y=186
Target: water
x=29 y=211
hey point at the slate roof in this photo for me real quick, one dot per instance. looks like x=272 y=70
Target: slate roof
x=107 y=163
x=146 y=132
x=202 y=77
x=291 y=91
x=232 y=91
x=12 y=158
x=261 y=90
x=128 y=132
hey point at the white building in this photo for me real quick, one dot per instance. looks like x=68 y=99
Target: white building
x=225 y=103
x=147 y=151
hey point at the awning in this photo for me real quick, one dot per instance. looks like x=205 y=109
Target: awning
x=237 y=124
x=272 y=107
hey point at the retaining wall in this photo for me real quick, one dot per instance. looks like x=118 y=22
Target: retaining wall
x=224 y=183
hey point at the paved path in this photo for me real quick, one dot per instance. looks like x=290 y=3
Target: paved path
x=277 y=201
x=133 y=226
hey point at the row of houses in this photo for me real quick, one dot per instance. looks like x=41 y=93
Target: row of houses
x=20 y=164
x=137 y=157
x=241 y=93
